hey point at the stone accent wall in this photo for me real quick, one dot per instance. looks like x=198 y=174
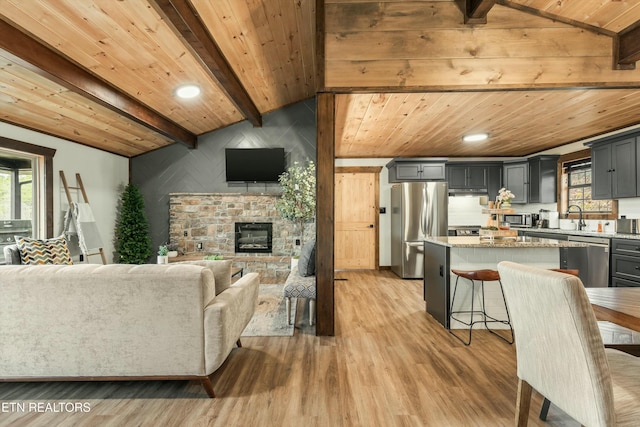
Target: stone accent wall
x=209 y=218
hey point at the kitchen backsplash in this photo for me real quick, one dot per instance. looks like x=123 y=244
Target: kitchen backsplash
x=468 y=211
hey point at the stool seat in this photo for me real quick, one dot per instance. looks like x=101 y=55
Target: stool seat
x=482 y=275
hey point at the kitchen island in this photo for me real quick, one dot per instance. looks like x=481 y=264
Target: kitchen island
x=442 y=253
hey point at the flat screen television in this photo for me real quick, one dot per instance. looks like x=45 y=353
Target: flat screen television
x=254 y=164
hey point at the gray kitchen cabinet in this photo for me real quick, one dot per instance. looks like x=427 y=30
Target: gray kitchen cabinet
x=614 y=169
x=494 y=179
x=625 y=262
x=416 y=169
x=516 y=179
x=457 y=176
x=601 y=172
x=466 y=177
x=474 y=176
x=543 y=179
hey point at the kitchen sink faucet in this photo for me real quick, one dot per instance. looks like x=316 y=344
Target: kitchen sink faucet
x=581 y=223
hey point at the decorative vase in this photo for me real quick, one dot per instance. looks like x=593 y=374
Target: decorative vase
x=505 y=205
x=163 y=259
x=172 y=254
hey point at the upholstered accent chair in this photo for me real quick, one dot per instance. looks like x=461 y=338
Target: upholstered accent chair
x=298 y=286
x=301 y=282
x=560 y=352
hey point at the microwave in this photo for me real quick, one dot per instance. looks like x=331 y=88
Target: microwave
x=521 y=220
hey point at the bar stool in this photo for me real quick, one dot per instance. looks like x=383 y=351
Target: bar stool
x=473 y=277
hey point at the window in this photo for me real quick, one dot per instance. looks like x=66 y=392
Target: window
x=576 y=188
x=26 y=191
x=17 y=188
x=579 y=189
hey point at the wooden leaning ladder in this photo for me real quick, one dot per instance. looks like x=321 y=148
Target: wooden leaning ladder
x=80 y=187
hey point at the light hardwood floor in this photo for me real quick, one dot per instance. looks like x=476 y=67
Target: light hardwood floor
x=390 y=364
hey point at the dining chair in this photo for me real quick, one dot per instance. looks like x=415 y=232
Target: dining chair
x=560 y=354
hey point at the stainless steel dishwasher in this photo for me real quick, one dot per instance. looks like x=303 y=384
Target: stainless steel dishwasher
x=592 y=262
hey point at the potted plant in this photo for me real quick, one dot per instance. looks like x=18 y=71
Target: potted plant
x=298 y=200
x=133 y=244
x=163 y=254
x=504 y=198
x=173 y=250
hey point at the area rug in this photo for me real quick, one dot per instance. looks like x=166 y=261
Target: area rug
x=270 y=318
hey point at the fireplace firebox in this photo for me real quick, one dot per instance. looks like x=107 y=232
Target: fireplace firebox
x=253 y=237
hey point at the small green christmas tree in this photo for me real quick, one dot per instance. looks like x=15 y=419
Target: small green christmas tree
x=133 y=244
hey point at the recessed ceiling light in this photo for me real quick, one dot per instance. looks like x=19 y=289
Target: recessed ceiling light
x=187 y=91
x=475 y=137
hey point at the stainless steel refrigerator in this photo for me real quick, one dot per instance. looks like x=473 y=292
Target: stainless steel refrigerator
x=418 y=209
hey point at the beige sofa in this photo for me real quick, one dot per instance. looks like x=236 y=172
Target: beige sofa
x=121 y=322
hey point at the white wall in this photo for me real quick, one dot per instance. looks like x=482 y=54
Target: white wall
x=103 y=175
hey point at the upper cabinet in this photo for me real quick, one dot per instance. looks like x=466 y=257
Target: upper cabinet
x=543 y=179
x=474 y=177
x=416 y=169
x=466 y=177
x=614 y=165
x=534 y=180
x=516 y=179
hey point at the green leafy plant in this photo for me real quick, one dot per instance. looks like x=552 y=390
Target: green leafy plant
x=133 y=244
x=215 y=257
x=163 y=250
x=298 y=200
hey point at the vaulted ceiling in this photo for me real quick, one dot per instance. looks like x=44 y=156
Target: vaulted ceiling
x=411 y=77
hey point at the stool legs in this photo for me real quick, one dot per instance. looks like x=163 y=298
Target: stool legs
x=485 y=318
x=506 y=322
x=472 y=311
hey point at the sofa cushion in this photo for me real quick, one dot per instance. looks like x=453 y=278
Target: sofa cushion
x=12 y=255
x=49 y=251
x=307 y=261
x=221 y=272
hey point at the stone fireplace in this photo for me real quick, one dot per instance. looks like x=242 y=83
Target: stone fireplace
x=203 y=224
x=253 y=237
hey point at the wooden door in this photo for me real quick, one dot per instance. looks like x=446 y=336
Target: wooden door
x=356 y=218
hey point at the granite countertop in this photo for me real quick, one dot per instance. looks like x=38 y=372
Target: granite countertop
x=589 y=233
x=519 y=242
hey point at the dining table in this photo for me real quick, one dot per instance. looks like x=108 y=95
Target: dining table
x=617 y=308
x=617 y=305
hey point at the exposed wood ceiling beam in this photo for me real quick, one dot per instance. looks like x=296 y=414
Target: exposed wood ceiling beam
x=187 y=24
x=475 y=11
x=35 y=56
x=626 y=45
x=543 y=14
x=627 y=48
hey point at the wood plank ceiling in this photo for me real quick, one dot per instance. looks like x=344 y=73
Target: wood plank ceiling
x=411 y=76
x=141 y=52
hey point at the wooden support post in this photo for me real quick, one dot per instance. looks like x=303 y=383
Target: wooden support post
x=325 y=214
